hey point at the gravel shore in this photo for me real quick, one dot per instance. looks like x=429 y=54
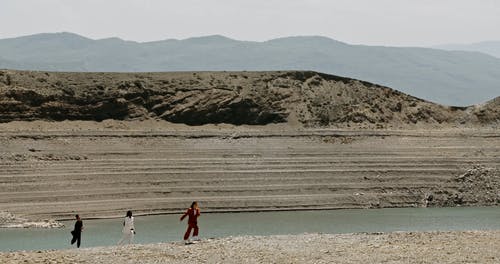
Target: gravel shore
x=399 y=247
x=9 y=220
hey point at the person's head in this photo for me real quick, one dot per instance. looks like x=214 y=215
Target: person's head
x=194 y=205
x=77 y=217
x=129 y=214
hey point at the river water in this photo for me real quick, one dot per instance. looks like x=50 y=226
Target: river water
x=165 y=228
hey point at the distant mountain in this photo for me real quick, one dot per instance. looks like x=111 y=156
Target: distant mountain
x=488 y=47
x=447 y=77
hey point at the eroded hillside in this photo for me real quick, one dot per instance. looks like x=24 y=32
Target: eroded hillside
x=196 y=98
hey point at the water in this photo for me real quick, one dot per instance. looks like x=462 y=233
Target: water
x=164 y=228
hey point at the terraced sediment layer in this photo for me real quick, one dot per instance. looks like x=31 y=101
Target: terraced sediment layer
x=103 y=169
x=235 y=141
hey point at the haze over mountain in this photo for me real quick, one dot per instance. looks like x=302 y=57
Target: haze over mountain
x=488 y=47
x=447 y=77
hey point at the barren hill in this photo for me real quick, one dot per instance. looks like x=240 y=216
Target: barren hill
x=195 y=98
x=447 y=77
x=135 y=159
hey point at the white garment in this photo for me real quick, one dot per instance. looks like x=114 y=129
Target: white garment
x=126 y=239
x=128 y=231
x=128 y=226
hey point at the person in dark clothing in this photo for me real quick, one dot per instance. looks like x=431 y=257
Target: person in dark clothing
x=77 y=232
x=193 y=212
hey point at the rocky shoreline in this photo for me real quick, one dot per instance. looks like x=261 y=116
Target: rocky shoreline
x=9 y=220
x=399 y=247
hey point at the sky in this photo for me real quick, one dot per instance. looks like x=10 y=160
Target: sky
x=369 y=22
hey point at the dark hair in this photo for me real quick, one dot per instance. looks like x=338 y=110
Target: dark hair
x=76 y=216
x=192 y=205
x=129 y=214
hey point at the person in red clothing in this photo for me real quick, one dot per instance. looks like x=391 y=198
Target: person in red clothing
x=192 y=213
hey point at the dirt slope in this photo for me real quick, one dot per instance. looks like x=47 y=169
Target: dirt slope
x=101 y=169
x=196 y=98
x=133 y=157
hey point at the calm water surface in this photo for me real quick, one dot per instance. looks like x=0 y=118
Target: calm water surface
x=153 y=229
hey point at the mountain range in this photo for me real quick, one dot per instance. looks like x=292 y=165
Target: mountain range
x=487 y=47
x=446 y=77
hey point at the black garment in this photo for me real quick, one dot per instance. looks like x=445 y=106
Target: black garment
x=77 y=233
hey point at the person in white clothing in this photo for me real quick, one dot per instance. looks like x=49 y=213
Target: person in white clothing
x=128 y=229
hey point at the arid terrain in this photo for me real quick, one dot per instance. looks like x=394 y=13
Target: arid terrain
x=302 y=98
x=101 y=143
x=409 y=248
x=98 y=144
x=52 y=170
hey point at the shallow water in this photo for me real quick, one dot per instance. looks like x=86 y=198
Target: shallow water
x=163 y=228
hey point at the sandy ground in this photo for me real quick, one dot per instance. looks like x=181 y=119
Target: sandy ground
x=57 y=169
x=415 y=247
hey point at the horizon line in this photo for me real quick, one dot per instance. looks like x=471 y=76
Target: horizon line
x=242 y=40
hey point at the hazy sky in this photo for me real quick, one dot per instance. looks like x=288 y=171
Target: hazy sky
x=379 y=22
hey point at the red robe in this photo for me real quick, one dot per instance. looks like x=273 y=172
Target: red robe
x=192 y=216
x=192 y=222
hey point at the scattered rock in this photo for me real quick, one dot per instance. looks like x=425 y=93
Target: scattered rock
x=478 y=185
x=9 y=220
x=397 y=247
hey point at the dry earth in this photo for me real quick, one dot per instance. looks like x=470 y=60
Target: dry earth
x=57 y=169
x=254 y=98
x=312 y=141
x=427 y=247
